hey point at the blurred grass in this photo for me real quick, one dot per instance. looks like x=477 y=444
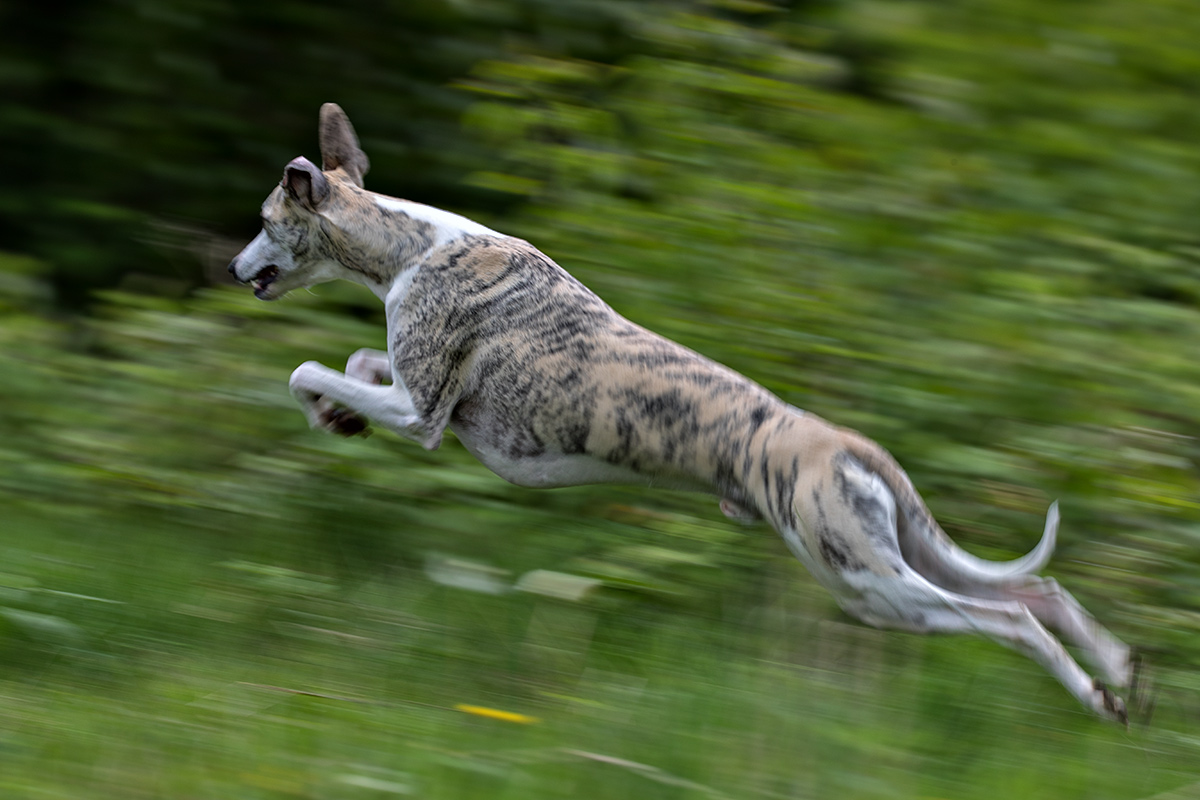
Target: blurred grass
x=967 y=230
x=262 y=687
x=203 y=598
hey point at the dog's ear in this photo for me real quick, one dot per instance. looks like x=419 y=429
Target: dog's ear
x=339 y=144
x=305 y=183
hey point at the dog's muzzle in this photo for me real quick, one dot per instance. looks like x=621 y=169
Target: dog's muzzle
x=261 y=281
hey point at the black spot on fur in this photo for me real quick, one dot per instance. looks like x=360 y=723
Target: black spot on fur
x=626 y=436
x=724 y=477
x=867 y=505
x=833 y=554
x=783 y=493
x=574 y=439
x=757 y=417
x=664 y=409
x=573 y=433
x=831 y=544
x=525 y=444
x=765 y=474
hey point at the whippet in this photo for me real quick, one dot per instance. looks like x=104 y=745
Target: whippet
x=548 y=386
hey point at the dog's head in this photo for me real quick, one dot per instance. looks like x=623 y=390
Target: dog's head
x=294 y=249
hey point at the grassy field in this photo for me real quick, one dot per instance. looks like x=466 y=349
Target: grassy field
x=965 y=229
x=153 y=669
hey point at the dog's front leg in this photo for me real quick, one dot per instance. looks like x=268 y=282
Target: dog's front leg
x=372 y=366
x=330 y=398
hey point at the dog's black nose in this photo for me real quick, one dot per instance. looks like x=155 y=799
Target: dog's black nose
x=233 y=268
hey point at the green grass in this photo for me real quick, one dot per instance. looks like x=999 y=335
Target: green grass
x=199 y=598
x=206 y=679
x=966 y=230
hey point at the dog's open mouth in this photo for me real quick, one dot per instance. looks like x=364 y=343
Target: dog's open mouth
x=263 y=280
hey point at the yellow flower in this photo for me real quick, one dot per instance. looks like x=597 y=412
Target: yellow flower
x=494 y=713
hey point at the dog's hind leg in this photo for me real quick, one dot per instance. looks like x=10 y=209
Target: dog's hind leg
x=1057 y=609
x=850 y=535
x=1044 y=597
x=909 y=602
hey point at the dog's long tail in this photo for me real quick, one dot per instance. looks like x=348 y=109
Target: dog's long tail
x=927 y=548
x=937 y=557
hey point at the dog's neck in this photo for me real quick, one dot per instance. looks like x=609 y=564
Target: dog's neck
x=380 y=255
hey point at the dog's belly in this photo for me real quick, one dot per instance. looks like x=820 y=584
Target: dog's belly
x=551 y=470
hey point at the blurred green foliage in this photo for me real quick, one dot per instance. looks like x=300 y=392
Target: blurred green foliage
x=966 y=229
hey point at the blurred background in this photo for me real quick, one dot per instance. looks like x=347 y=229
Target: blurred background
x=967 y=229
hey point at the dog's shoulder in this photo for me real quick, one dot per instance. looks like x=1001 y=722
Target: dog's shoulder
x=487 y=257
x=499 y=267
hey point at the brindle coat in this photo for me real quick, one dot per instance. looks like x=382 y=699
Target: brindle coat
x=548 y=386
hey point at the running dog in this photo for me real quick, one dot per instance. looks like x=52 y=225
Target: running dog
x=548 y=386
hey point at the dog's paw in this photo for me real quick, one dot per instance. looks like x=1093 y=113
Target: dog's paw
x=1143 y=694
x=1108 y=704
x=344 y=422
